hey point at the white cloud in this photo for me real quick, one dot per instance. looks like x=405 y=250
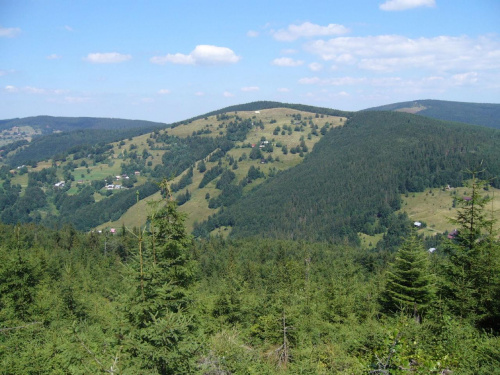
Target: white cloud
x=68 y=28
x=228 y=94
x=201 y=55
x=341 y=81
x=9 y=32
x=34 y=90
x=396 y=5
x=177 y=58
x=107 y=58
x=76 y=99
x=12 y=89
x=308 y=29
x=164 y=91
x=465 y=78
x=283 y=89
x=53 y=56
x=289 y=51
x=199 y=93
x=147 y=100
x=287 y=61
x=250 y=88
x=315 y=67
x=252 y=34
x=389 y=53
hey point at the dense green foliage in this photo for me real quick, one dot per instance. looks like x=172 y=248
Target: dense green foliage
x=86 y=214
x=150 y=300
x=49 y=124
x=470 y=113
x=409 y=281
x=183 y=153
x=60 y=144
x=352 y=180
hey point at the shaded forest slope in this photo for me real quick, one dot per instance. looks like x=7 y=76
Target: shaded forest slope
x=484 y=114
x=49 y=124
x=353 y=179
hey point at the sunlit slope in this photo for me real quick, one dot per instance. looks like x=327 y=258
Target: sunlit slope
x=356 y=174
x=295 y=128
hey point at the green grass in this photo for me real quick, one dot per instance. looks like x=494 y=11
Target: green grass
x=434 y=207
x=369 y=242
x=196 y=208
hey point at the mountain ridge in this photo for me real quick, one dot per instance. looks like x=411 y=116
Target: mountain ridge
x=485 y=114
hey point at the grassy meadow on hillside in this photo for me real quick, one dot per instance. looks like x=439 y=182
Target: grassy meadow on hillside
x=435 y=207
x=196 y=208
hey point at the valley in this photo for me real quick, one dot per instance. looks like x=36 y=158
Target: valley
x=264 y=238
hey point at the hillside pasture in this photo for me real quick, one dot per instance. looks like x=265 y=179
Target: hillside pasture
x=435 y=207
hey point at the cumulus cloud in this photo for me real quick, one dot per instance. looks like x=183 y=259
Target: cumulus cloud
x=201 y=55
x=396 y=84
x=396 y=5
x=315 y=67
x=287 y=61
x=250 y=88
x=389 y=53
x=107 y=58
x=339 y=81
x=164 y=91
x=307 y=30
x=465 y=78
x=9 y=32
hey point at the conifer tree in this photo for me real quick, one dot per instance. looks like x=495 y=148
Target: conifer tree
x=158 y=309
x=472 y=273
x=408 y=281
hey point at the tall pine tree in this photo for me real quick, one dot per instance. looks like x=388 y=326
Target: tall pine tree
x=409 y=284
x=472 y=270
x=157 y=313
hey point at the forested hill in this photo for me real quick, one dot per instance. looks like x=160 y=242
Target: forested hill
x=49 y=124
x=353 y=179
x=55 y=135
x=261 y=105
x=470 y=113
x=50 y=145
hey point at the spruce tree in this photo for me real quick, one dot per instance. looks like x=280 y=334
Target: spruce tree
x=157 y=311
x=408 y=280
x=472 y=270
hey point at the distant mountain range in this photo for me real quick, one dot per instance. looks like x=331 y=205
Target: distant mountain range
x=50 y=124
x=269 y=168
x=470 y=113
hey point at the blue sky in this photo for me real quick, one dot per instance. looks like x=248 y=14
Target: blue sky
x=173 y=59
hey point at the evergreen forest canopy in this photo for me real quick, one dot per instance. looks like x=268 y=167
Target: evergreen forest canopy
x=353 y=179
x=50 y=124
x=290 y=291
x=485 y=114
x=151 y=300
